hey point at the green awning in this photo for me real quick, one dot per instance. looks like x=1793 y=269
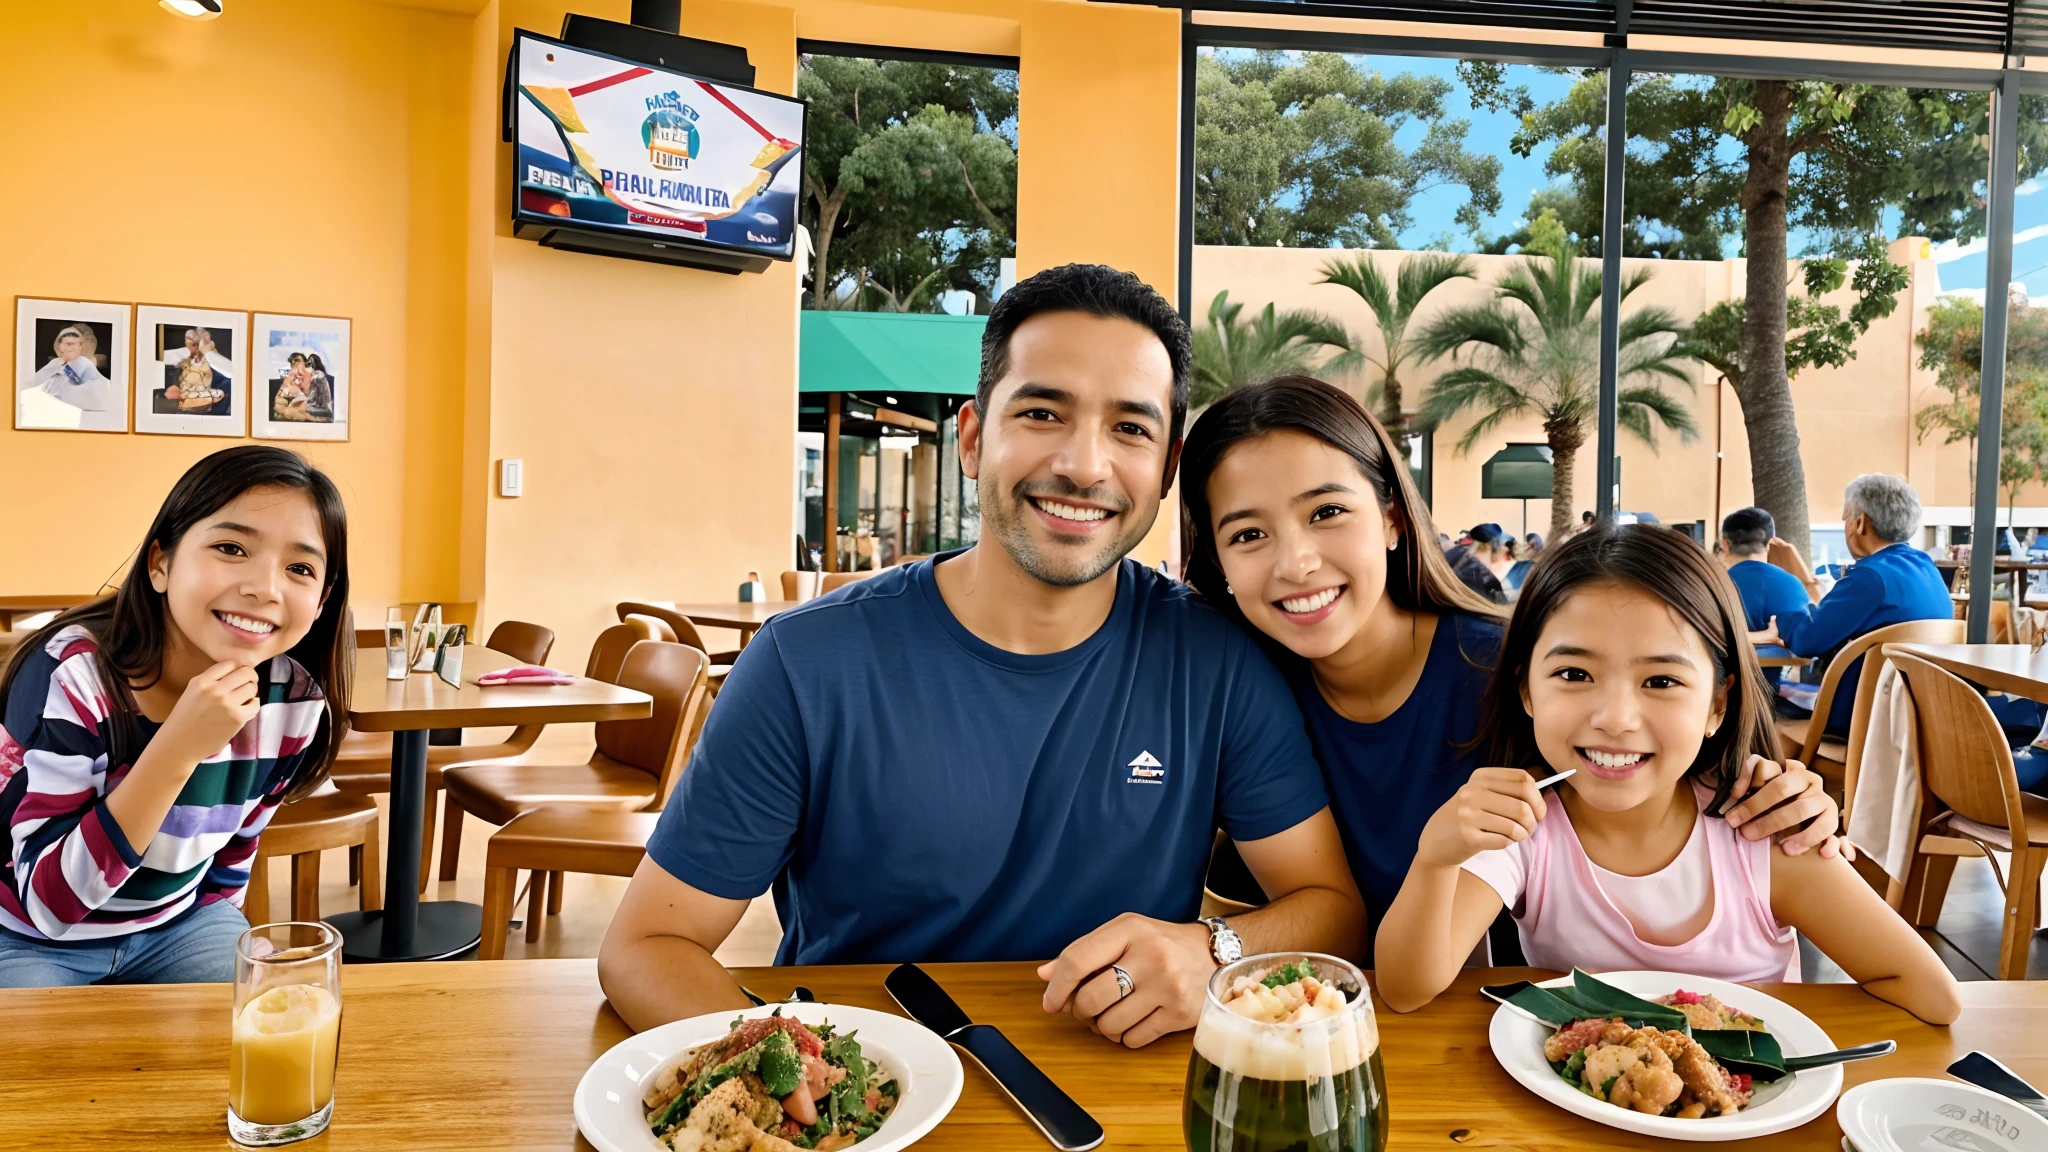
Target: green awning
x=889 y=352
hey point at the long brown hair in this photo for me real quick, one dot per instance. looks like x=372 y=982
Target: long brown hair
x=132 y=626
x=1677 y=571
x=1419 y=579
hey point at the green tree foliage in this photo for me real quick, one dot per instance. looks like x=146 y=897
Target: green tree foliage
x=1715 y=159
x=1231 y=351
x=1300 y=152
x=1393 y=304
x=1952 y=346
x=910 y=180
x=1534 y=349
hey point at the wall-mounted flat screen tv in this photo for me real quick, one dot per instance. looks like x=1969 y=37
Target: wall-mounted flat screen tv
x=619 y=157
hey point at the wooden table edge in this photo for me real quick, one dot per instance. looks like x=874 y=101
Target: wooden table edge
x=1997 y=679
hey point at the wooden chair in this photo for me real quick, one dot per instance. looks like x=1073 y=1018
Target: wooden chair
x=684 y=628
x=1807 y=740
x=837 y=580
x=551 y=841
x=556 y=839
x=607 y=656
x=1966 y=769
x=364 y=765
x=633 y=769
x=304 y=829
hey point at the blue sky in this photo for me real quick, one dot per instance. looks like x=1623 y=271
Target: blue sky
x=1960 y=266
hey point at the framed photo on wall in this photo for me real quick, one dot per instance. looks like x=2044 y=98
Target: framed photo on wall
x=301 y=369
x=71 y=365
x=189 y=375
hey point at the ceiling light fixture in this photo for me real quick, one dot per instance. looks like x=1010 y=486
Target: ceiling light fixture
x=191 y=9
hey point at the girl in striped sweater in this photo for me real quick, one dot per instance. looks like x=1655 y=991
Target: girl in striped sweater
x=148 y=737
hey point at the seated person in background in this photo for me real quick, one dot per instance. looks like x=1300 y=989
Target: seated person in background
x=1474 y=562
x=1890 y=583
x=1015 y=751
x=1766 y=590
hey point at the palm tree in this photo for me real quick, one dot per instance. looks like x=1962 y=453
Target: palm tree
x=1393 y=306
x=1273 y=343
x=1535 y=348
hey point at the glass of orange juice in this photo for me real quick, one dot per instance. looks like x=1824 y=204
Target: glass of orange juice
x=287 y=1027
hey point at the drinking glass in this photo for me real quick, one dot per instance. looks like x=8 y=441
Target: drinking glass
x=287 y=1026
x=395 y=641
x=1313 y=1086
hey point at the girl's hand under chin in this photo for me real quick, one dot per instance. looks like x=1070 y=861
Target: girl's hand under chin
x=1495 y=808
x=1778 y=799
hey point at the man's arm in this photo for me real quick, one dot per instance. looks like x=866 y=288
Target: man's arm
x=1839 y=617
x=729 y=829
x=655 y=963
x=1782 y=554
x=1315 y=907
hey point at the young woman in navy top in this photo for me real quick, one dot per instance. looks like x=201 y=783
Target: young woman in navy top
x=1301 y=524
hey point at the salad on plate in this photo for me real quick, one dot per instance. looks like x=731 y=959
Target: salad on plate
x=771 y=1084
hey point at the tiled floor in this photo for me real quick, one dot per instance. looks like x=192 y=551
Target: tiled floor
x=1966 y=938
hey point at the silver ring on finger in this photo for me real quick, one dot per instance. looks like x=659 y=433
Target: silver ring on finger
x=1124 y=984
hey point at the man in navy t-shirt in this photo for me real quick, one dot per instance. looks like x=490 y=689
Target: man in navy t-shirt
x=1016 y=751
x=1766 y=589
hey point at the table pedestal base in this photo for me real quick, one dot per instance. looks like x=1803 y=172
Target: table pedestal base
x=445 y=929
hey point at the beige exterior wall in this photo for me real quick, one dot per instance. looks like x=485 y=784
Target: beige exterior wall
x=1853 y=419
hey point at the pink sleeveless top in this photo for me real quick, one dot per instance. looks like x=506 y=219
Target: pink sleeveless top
x=1568 y=921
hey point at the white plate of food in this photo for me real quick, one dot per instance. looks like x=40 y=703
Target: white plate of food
x=1519 y=1043
x=1912 y=1114
x=873 y=1081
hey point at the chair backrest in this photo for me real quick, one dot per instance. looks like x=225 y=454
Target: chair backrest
x=674 y=675
x=789 y=584
x=526 y=643
x=608 y=654
x=664 y=611
x=841 y=579
x=651 y=629
x=1910 y=632
x=1964 y=762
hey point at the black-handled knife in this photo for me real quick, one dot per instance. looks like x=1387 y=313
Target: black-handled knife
x=1064 y=1122
x=1987 y=1073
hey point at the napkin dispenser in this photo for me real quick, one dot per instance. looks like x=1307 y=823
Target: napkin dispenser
x=448 y=656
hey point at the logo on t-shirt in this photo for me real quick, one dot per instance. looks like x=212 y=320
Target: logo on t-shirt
x=1146 y=769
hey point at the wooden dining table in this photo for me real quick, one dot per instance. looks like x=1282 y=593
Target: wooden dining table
x=407 y=928
x=746 y=616
x=2015 y=669
x=488 y=1055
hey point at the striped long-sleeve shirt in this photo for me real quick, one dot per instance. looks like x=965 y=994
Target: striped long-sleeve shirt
x=70 y=874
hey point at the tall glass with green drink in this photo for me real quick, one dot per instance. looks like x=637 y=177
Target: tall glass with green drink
x=1287 y=1059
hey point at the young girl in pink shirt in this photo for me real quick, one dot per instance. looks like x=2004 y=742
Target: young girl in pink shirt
x=1627 y=659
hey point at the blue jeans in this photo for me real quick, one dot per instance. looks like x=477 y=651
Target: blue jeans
x=197 y=948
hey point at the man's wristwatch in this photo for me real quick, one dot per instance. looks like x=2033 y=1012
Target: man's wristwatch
x=1225 y=947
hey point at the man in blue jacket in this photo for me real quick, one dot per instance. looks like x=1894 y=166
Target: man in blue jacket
x=1890 y=583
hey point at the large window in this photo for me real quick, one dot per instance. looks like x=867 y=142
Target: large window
x=1801 y=287
x=1380 y=220
x=910 y=206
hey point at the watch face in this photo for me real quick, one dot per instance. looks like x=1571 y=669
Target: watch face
x=1225 y=944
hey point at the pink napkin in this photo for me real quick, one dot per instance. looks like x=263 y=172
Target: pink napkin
x=524 y=674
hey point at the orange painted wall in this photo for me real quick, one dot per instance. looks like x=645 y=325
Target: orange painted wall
x=329 y=181
x=653 y=406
